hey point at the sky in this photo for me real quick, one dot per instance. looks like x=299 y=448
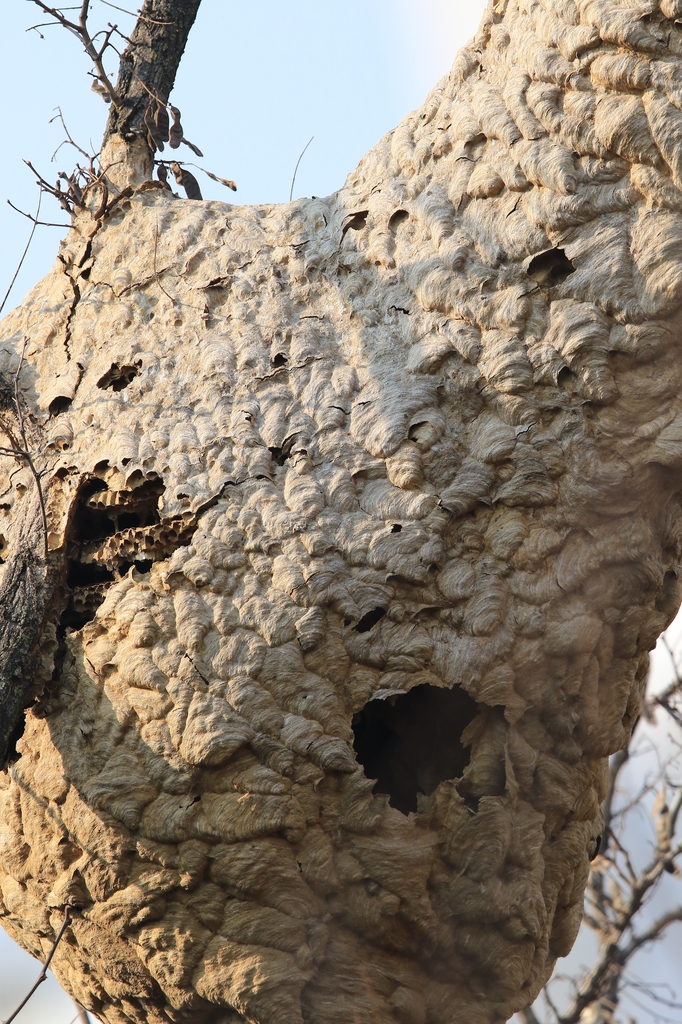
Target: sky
x=258 y=79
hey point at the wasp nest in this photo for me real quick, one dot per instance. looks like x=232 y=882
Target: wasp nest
x=369 y=511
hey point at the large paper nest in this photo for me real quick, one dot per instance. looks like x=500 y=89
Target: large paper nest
x=369 y=513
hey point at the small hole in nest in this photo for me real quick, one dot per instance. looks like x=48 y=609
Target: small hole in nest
x=279 y=360
x=357 y=222
x=410 y=742
x=143 y=565
x=6 y=393
x=413 y=433
x=396 y=528
x=280 y=455
x=550 y=268
x=119 y=376
x=370 y=619
x=59 y=404
x=399 y=217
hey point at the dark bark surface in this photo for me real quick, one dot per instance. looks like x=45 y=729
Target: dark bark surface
x=150 y=62
x=26 y=590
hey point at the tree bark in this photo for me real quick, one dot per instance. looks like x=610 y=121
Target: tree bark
x=27 y=590
x=372 y=518
x=147 y=72
x=150 y=62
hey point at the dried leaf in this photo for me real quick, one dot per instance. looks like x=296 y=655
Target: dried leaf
x=101 y=90
x=177 y=172
x=162 y=174
x=175 y=136
x=154 y=138
x=187 y=180
x=195 y=149
x=191 y=185
x=223 y=181
x=162 y=122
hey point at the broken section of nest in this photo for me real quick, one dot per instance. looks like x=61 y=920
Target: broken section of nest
x=116 y=526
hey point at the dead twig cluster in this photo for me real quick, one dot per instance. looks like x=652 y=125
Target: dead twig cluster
x=71 y=190
x=96 y=53
x=76 y=187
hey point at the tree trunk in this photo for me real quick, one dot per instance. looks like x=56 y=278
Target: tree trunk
x=383 y=486
x=147 y=73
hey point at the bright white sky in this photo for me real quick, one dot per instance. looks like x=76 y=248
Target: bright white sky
x=259 y=77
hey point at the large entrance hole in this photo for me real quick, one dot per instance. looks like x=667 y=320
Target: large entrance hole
x=550 y=268
x=411 y=742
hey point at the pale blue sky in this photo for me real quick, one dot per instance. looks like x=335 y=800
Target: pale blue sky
x=258 y=79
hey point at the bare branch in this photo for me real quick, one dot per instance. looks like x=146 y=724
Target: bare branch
x=615 y=766
x=528 y=1016
x=293 y=180
x=43 y=974
x=26 y=248
x=90 y=157
x=80 y=29
x=652 y=933
x=139 y=14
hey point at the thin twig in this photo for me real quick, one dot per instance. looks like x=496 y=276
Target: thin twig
x=156 y=273
x=23 y=255
x=69 y=140
x=41 y=181
x=191 y=661
x=528 y=1016
x=293 y=180
x=82 y=1016
x=141 y=17
x=42 y=223
x=43 y=974
x=80 y=29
